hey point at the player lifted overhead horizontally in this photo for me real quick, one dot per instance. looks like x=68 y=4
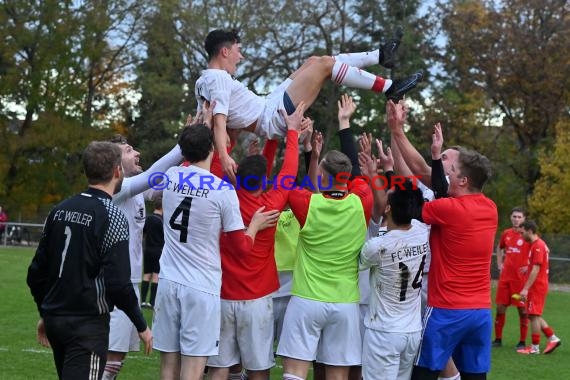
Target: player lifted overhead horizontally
x=239 y=108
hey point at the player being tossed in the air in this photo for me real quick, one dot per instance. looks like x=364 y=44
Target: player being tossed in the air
x=239 y=108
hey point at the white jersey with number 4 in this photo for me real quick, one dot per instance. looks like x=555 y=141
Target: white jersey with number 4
x=197 y=206
x=396 y=260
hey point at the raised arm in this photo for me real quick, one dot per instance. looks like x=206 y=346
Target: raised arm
x=346 y=108
x=141 y=182
x=396 y=117
x=369 y=169
x=306 y=137
x=439 y=183
x=294 y=124
x=316 y=146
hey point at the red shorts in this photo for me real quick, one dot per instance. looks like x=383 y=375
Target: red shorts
x=535 y=301
x=505 y=289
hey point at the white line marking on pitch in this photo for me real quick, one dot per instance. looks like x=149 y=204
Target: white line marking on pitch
x=36 y=350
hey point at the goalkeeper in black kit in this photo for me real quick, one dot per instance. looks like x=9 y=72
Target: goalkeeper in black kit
x=81 y=270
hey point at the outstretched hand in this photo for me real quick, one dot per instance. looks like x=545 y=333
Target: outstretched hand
x=368 y=165
x=386 y=159
x=295 y=120
x=436 y=142
x=317 y=143
x=346 y=108
x=307 y=133
x=396 y=114
x=207 y=114
x=365 y=143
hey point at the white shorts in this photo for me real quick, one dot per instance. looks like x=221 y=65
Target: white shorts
x=186 y=320
x=270 y=122
x=389 y=355
x=279 y=308
x=326 y=332
x=123 y=335
x=246 y=335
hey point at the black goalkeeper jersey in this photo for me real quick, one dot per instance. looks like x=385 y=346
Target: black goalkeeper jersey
x=81 y=266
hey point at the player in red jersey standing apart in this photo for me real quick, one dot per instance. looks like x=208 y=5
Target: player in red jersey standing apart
x=458 y=320
x=512 y=262
x=536 y=289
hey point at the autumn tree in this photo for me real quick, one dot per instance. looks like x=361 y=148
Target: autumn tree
x=503 y=76
x=58 y=73
x=549 y=200
x=161 y=82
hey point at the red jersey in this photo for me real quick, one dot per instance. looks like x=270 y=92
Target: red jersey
x=255 y=275
x=515 y=257
x=300 y=199
x=461 y=240
x=538 y=255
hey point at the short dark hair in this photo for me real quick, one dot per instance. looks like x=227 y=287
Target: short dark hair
x=335 y=162
x=196 y=142
x=518 y=209
x=529 y=225
x=406 y=202
x=251 y=171
x=219 y=38
x=100 y=158
x=475 y=166
x=157 y=200
x=118 y=139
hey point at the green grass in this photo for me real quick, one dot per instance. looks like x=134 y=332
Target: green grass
x=22 y=358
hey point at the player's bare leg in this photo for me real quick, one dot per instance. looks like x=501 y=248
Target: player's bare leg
x=319 y=371
x=308 y=82
x=336 y=372
x=295 y=367
x=169 y=365
x=355 y=373
x=450 y=371
x=192 y=367
x=215 y=373
x=258 y=375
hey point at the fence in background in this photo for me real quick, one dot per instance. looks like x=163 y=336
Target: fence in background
x=25 y=234
x=28 y=234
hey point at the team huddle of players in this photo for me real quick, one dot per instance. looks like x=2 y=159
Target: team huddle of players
x=238 y=273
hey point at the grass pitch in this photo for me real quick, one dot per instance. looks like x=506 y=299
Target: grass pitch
x=22 y=358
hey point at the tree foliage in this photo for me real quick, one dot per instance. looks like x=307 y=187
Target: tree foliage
x=505 y=64
x=62 y=68
x=549 y=201
x=497 y=77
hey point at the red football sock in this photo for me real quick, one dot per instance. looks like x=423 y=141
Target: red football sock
x=523 y=328
x=536 y=339
x=499 y=324
x=548 y=331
